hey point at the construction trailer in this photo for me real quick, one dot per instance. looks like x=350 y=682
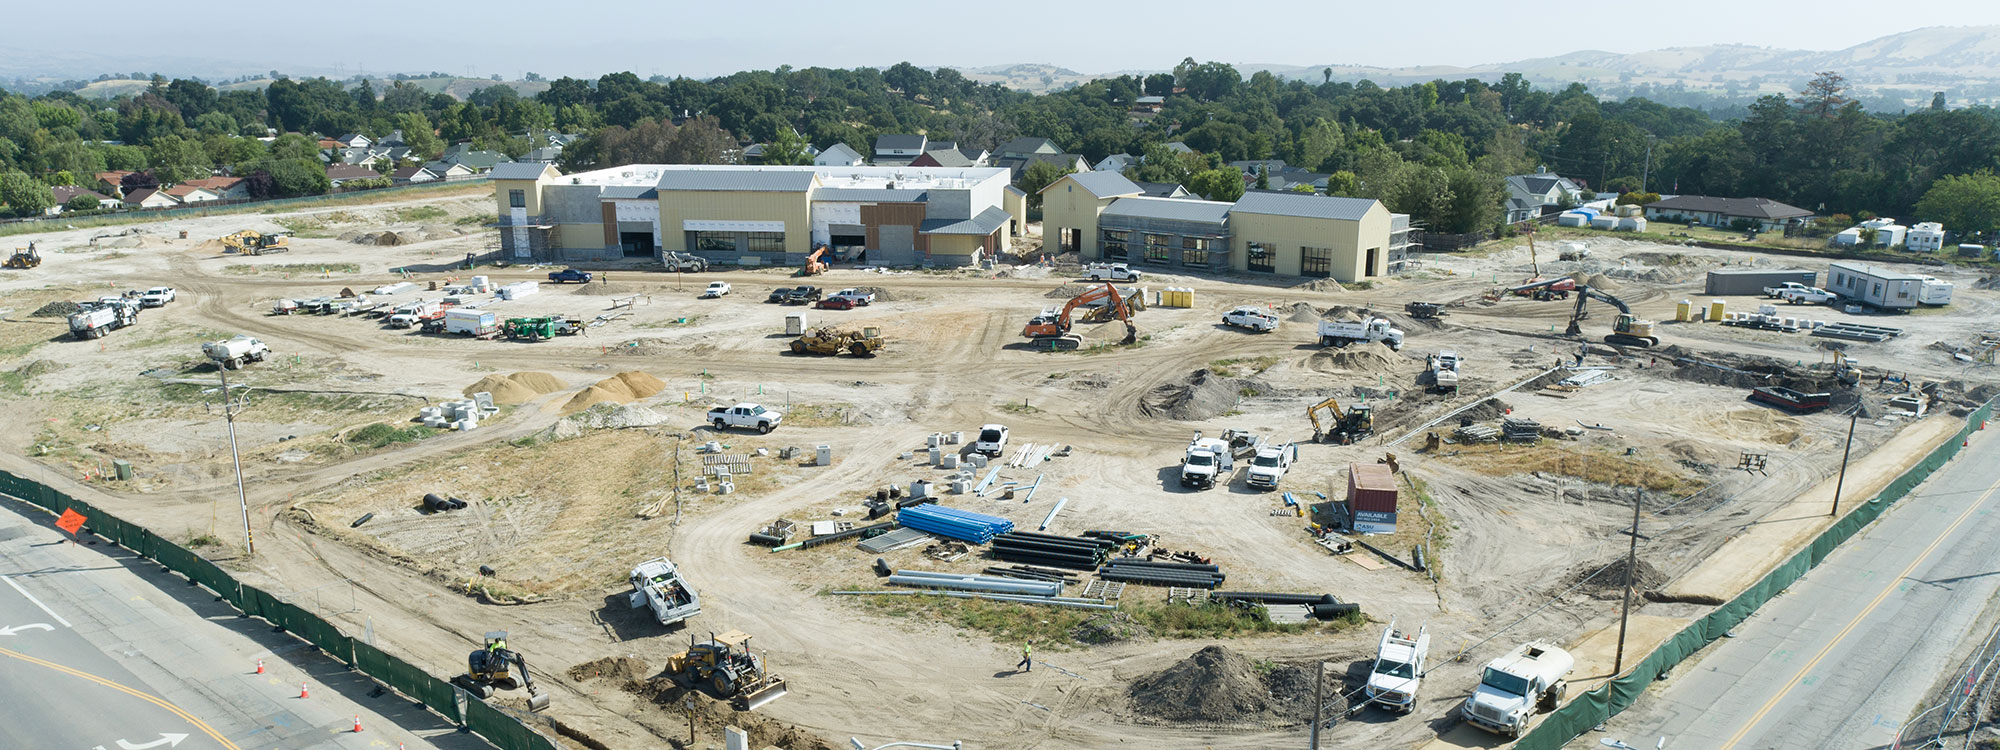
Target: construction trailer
x=1874 y=286
x=1371 y=498
x=1750 y=282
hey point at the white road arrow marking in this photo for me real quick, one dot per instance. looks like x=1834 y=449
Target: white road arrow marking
x=168 y=739
x=12 y=629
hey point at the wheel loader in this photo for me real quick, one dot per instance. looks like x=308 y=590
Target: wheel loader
x=492 y=668
x=727 y=666
x=828 y=340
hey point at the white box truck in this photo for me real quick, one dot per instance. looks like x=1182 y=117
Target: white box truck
x=471 y=322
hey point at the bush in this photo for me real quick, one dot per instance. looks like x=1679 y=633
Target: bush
x=380 y=435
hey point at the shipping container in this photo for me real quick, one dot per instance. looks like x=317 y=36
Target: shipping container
x=1745 y=282
x=1371 y=487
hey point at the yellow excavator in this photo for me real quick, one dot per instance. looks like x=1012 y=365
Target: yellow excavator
x=727 y=666
x=493 y=668
x=253 y=242
x=24 y=257
x=1342 y=426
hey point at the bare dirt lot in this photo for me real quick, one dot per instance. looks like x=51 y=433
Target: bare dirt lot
x=563 y=500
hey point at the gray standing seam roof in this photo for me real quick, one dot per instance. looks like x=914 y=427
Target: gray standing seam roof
x=1304 y=206
x=985 y=223
x=517 y=170
x=749 y=180
x=1175 y=209
x=899 y=141
x=1104 y=184
x=869 y=195
x=630 y=192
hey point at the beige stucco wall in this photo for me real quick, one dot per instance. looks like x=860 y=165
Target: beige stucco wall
x=1350 y=241
x=1066 y=205
x=531 y=188
x=794 y=209
x=956 y=244
x=1017 y=207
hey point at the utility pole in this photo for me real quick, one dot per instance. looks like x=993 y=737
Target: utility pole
x=1854 y=416
x=1631 y=574
x=1319 y=700
x=1646 y=176
x=229 y=417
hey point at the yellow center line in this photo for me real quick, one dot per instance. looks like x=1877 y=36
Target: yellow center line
x=1858 y=617
x=176 y=710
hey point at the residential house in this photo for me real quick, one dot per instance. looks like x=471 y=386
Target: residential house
x=329 y=144
x=1179 y=147
x=414 y=175
x=354 y=140
x=1766 y=214
x=225 y=188
x=480 y=162
x=944 y=157
x=187 y=194
x=111 y=183
x=341 y=174
x=149 y=198
x=63 y=194
x=1067 y=162
x=1022 y=148
x=449 y=170
x=1149 y=103
x=1528 y=194
x=1163 y=190
x=978 y=156
x=1116 y=163
x=839 y=155
x=898 y=149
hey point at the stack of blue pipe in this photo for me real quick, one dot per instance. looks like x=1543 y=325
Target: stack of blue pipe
x=963 y=525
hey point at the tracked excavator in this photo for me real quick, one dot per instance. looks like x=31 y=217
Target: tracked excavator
x=814 y=266
x=1626 y=330
x=1343 y=426
x=494 y=666
x=1052 y=328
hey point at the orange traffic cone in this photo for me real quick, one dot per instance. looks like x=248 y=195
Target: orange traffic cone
x=260 y=666
x=302 y=691
x=357 y=723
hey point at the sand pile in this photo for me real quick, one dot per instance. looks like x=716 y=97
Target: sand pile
x=517 y=388
x=1220 y=685
x=212 y=246
x=1300 y=312
x=624 y=388
x=61 y=308
x=1320 y=285
x=881 y=295
x=1201 y=395
x=1610 y=582
x=1361 y=360
x=619 y=668
x=603 y=416
x=1599 y=281
x=1067 y=291
x=610 y=288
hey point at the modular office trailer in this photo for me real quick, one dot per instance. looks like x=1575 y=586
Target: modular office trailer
x=1874 y=285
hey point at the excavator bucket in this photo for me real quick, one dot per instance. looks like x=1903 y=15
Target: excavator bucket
x=771 y=688
x=538 y=701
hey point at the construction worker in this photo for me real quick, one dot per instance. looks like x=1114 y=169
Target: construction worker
x=499 y=645
x=1027 y=657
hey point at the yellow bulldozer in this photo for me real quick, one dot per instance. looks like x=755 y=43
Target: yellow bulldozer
x=24 y=257
x=253 y=242
x=730 y=670
x=829 y=340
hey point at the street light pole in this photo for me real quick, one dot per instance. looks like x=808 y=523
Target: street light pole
x=235 y=458
x=1853 y=417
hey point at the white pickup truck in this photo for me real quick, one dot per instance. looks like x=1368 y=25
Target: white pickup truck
x=1268 y=467
x=1111 y=271
x=1532 y=677
x=992 y=440
x=1341 y=333
x=157 y=296
x=1208 y=460
x=658 y=586
x=1810 y=295
x=752 y=416
x=1779 y=290
x=1254 y=318
x=860 y=298
x=1399 y=668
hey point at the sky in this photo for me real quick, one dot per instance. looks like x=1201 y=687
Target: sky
x=587 y=38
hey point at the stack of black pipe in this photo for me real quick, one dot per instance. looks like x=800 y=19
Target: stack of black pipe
x=1189 y=575
x=1051 y=550
x=1324 y=606
x=1032 y=573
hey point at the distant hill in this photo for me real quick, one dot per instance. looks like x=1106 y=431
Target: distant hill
x=458 y=88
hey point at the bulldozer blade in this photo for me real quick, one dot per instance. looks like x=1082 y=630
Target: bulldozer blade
x=538 y=702
x=772 y=689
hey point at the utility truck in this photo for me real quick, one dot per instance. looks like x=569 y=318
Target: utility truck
x=1444 y=371
x=658 y=586
x=752 y=416
x=102 y=317
x=1208 y=461
x=1251 y=317
x=1340 y=333
x=1811 y=295
x=1399 y=668
x=1531 y=678
x=233 y=353
x=413 y=314
x=1268 y=467
x=1110 y=272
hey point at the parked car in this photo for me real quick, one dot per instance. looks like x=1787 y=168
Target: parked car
x=803 y=295
x=779 y=294
x=1811 y=295
x=568 y=275
x=715 y=289
x=836 y=303
x=748 y=415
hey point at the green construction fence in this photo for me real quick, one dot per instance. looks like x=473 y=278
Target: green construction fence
x=1597 y=706
x=496 y=726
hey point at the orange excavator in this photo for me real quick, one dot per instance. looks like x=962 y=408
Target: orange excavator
x=1051 y=328
x=814 y=266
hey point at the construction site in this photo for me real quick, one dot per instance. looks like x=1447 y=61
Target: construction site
x=835 y=502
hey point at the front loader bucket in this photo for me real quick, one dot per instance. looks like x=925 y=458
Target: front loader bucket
x=538 y=701
x=772 y=688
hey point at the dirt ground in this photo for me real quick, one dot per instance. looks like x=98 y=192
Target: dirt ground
x=560 y=507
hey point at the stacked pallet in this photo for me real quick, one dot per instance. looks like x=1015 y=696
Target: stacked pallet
x=965 y=525
x=1180 y=575
x=1080 y=553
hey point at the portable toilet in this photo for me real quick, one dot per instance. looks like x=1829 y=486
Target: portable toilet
x=1683 y=311
x=795 y=324
x=1716 y=309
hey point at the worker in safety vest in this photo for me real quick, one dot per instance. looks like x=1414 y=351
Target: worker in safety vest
x=1027 y=657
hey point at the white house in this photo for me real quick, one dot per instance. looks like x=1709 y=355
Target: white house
x=1116 y=163
x=896 y=150
x=839 y=155
x=355 y=140
x=413 y=175
x=1927 y=237
x=149 y=198
x=225 y=188
x=190 y=194
x=1528 y=193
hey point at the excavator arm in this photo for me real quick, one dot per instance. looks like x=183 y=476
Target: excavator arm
x=814 y=266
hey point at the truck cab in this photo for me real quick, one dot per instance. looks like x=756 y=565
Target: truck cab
x=1207 y=461
x=1514 y=687
x=1110 y=271
x=992 y=440
x=1399 y=668
x=1268 y=466
x=1253 y=318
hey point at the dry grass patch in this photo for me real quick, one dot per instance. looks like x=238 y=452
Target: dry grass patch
x=1564 y=459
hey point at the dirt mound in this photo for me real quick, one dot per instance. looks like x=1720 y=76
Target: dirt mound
x=1108 y=627
x=713 y=714
x=610 y=288
x=212 y=246
x=1220 y=685
x=1320 y=285
x=1610 y=582
x=624 y=388
x=1989 y=282
x=1067 y=291
x=61 y=308
x=1492 y=408
x=881 y=294
x=1367 y=360
x=517 y=388
x=38 y=367
x=406 y=238
x=603 y=416
x=381 y=239
x=1599 y=281
x=620 y=668
x=1201 y=395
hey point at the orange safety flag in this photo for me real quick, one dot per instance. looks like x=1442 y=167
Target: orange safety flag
x=70 y=521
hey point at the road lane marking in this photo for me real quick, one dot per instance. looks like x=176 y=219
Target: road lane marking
x=142 y=695
x=12 y=629
x=1858 y=617
x=38 y=602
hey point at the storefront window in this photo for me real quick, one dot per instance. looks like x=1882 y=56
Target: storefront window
x=1316 y=261
x=765 y=242
x=1262 y=256
x=1159 y=248
x=715 y=242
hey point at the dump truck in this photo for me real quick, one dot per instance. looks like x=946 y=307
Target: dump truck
x=233 y=353
x=102 y=317
x=658 y=586
x=1425 y=310
x=829 y=340
x=729 y=668
x=1268 y=466
x=1444 y=371
x=1399 y=668
x=1207 y=461
x=1340 y=333
x=1531 y=678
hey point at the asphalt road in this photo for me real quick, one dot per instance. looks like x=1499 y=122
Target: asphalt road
x=100 y=650
x=1848 y=653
